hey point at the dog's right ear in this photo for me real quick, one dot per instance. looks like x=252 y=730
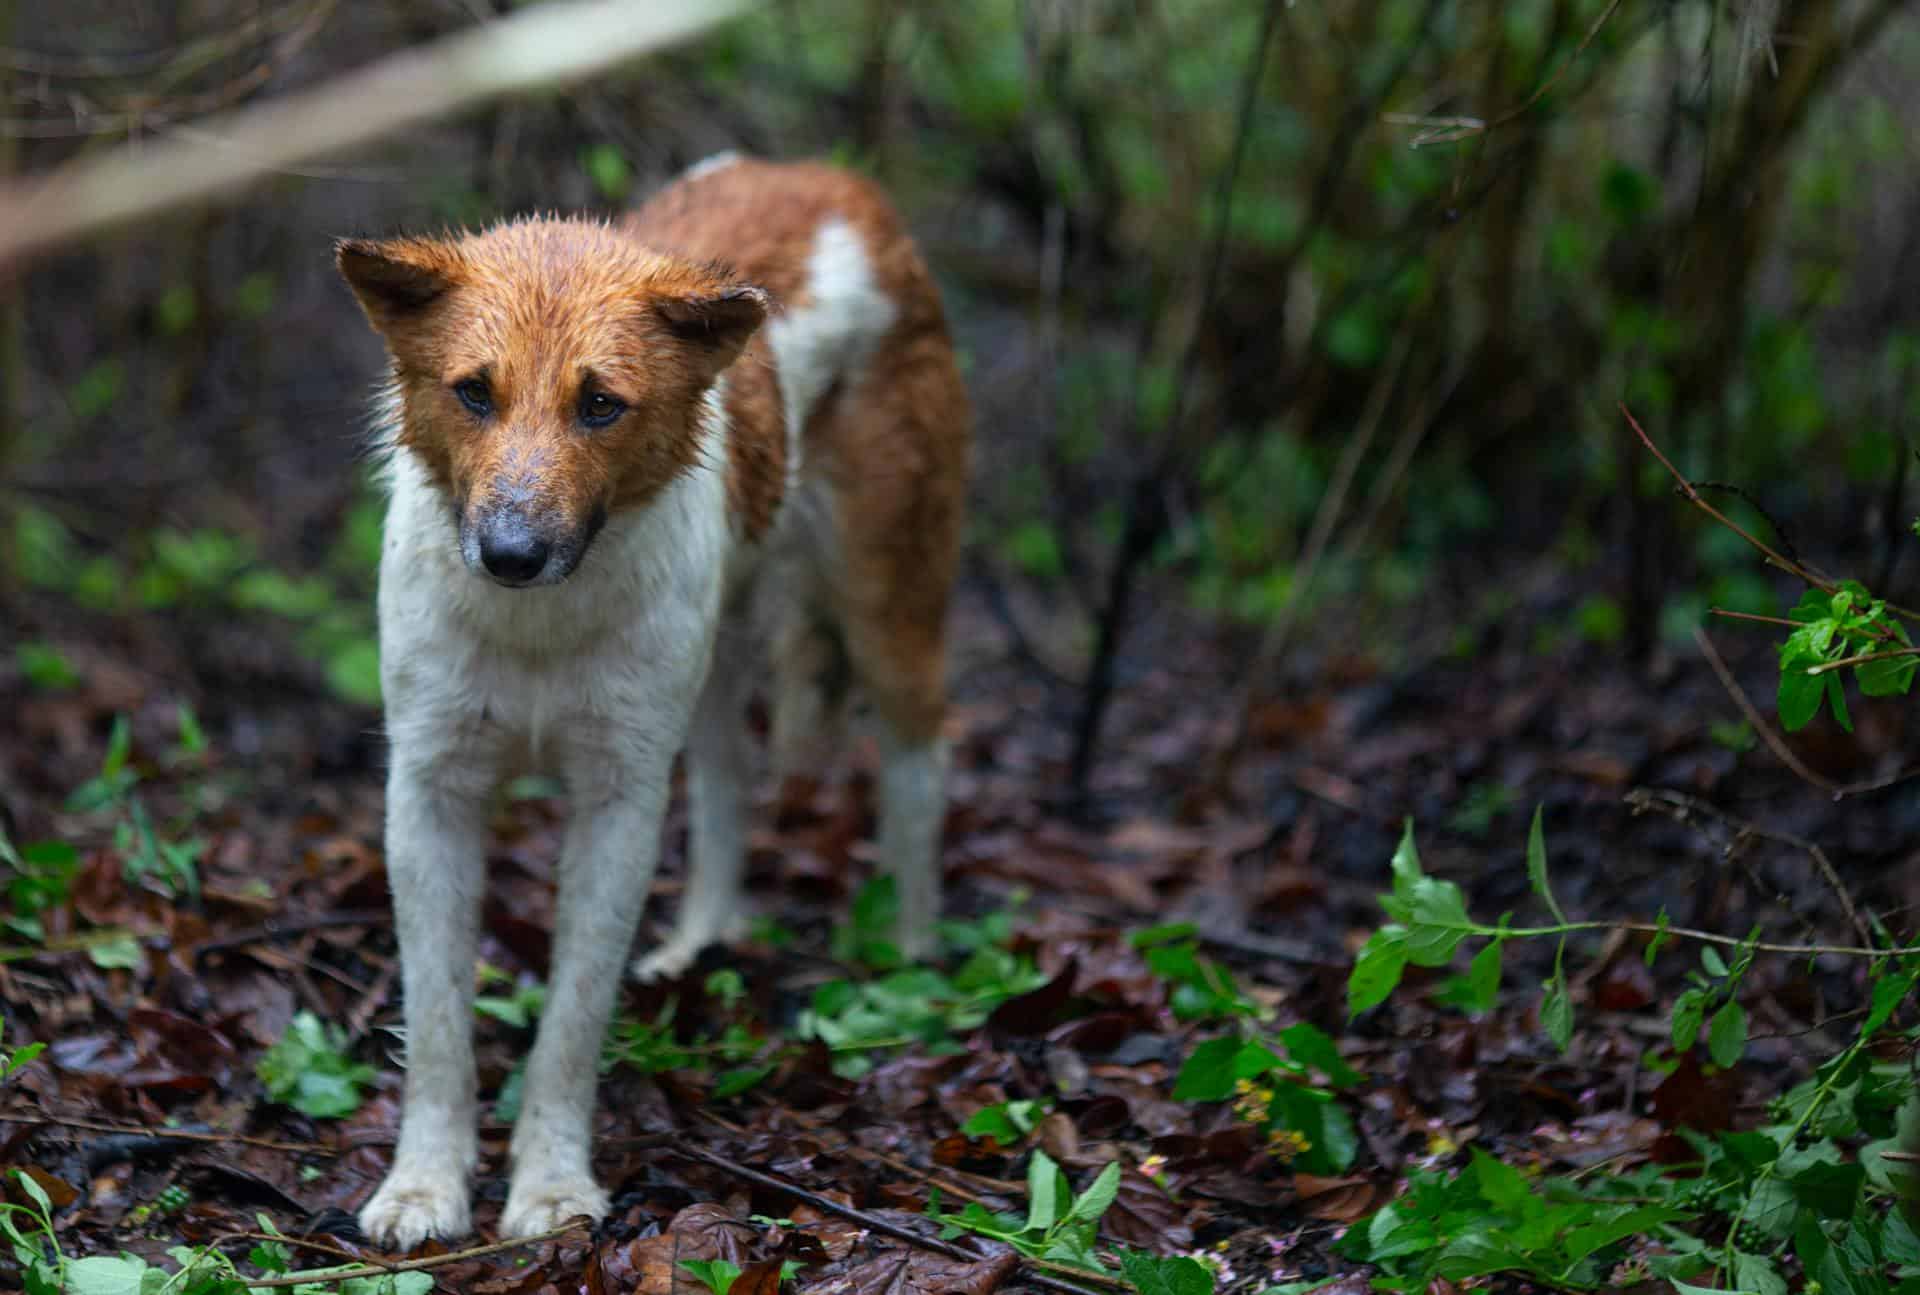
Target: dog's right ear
x=396 y=280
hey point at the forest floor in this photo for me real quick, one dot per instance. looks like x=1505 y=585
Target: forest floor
x=796 y=1097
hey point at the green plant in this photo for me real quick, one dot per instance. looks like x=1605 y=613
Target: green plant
x=1203 y=989
x=717 y=1275
x=45 y=667
x=520 y=1009
x=653 y=1047
x=1060 y=1230
x=15 y=1059
x=308 y=1069
x=1271 y=1083
x=1836 y=626
x=1808 y=1188
x=39 y=877
x=1007 y=1123
x=1058 y=1226
x=913 y=1005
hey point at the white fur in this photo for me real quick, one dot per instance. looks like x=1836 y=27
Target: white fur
x=654 y=639
x=708 y=165
x=831 y=336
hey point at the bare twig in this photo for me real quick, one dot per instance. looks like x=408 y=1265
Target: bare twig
x=533 y=48
x=1451 y=130
x=1772 y=554
x=579 y=1224
x=1752 y=616
x=1862 y=659
x=1143 y=525
x=178 y=1135
x=1333 y=502
x=1679 y=805
x=1699 y=501
x=873 y=1222
x=282 y=930
x=1773 y=740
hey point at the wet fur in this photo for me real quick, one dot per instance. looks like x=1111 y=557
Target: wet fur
x=784 y=488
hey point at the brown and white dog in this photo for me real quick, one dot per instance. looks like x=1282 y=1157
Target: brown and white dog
x=635 y=467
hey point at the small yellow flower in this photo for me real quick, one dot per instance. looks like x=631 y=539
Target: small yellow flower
x=1285 y=1144
x=1439 y=1144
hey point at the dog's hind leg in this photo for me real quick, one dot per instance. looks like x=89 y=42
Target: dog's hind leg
x=720 y=760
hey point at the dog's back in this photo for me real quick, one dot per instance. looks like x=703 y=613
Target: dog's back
x=849 y=436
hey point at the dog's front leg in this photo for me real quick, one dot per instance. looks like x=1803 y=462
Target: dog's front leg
x=606 y=866
x=436 y=845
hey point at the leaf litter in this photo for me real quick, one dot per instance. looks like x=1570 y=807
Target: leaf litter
x=221 y=1054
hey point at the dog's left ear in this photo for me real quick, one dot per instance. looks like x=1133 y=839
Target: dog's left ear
x=396 y=280
x=716 y=324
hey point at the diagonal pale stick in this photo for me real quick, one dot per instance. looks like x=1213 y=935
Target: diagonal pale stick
x=543 y=47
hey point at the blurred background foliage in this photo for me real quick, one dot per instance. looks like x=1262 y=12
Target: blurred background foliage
x=1460 y=233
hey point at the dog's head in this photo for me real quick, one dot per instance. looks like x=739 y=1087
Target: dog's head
x=551 y=372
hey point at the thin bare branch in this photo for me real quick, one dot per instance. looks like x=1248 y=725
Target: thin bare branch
x=1773 y=740
x=534 y=48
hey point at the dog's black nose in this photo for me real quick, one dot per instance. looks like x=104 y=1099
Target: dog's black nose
x=511 y=553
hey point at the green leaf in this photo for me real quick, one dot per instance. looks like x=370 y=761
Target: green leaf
x=1376 y=972
x=1406 y=863
x=36 y=1193
x=1537 y=867
x=1886 y=677
x=105 y=1275
x=1209 y=1072
x=1727 y=1036
x=119 y=747
x=717 y=1275
x=1661 y=937
x=1771 y=1208
x=1476 y=1255
x=1092 y=1203
x=1044 y=1190
x=1799 y=695
x=1434 y=914
x=1829 y=1189
x=120 y=951
x=1503 y=1186
x=1178 y=1275
x=1689 y=1013
x=1642 y=1221
x=1837 y=696
x=45 y=667
x=1314 y=1047
x=1556 y=1012
x=1757 y=1273
x=1479 y=989
x=1889 y=991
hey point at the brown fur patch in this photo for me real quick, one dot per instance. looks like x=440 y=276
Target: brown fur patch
x=892 y=446
x=544 y=313
x=650 y=312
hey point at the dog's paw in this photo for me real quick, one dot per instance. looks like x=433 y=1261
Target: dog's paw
x=667 y=962
x=682 y=949
x=413 y=1205
x=545 y=1203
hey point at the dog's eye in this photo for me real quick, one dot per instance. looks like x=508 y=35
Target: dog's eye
x=597 y=409
x=474 y=395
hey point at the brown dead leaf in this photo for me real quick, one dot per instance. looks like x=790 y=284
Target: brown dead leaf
x=1145 y=1217
x=1335 y=1200
x=905 y=1271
